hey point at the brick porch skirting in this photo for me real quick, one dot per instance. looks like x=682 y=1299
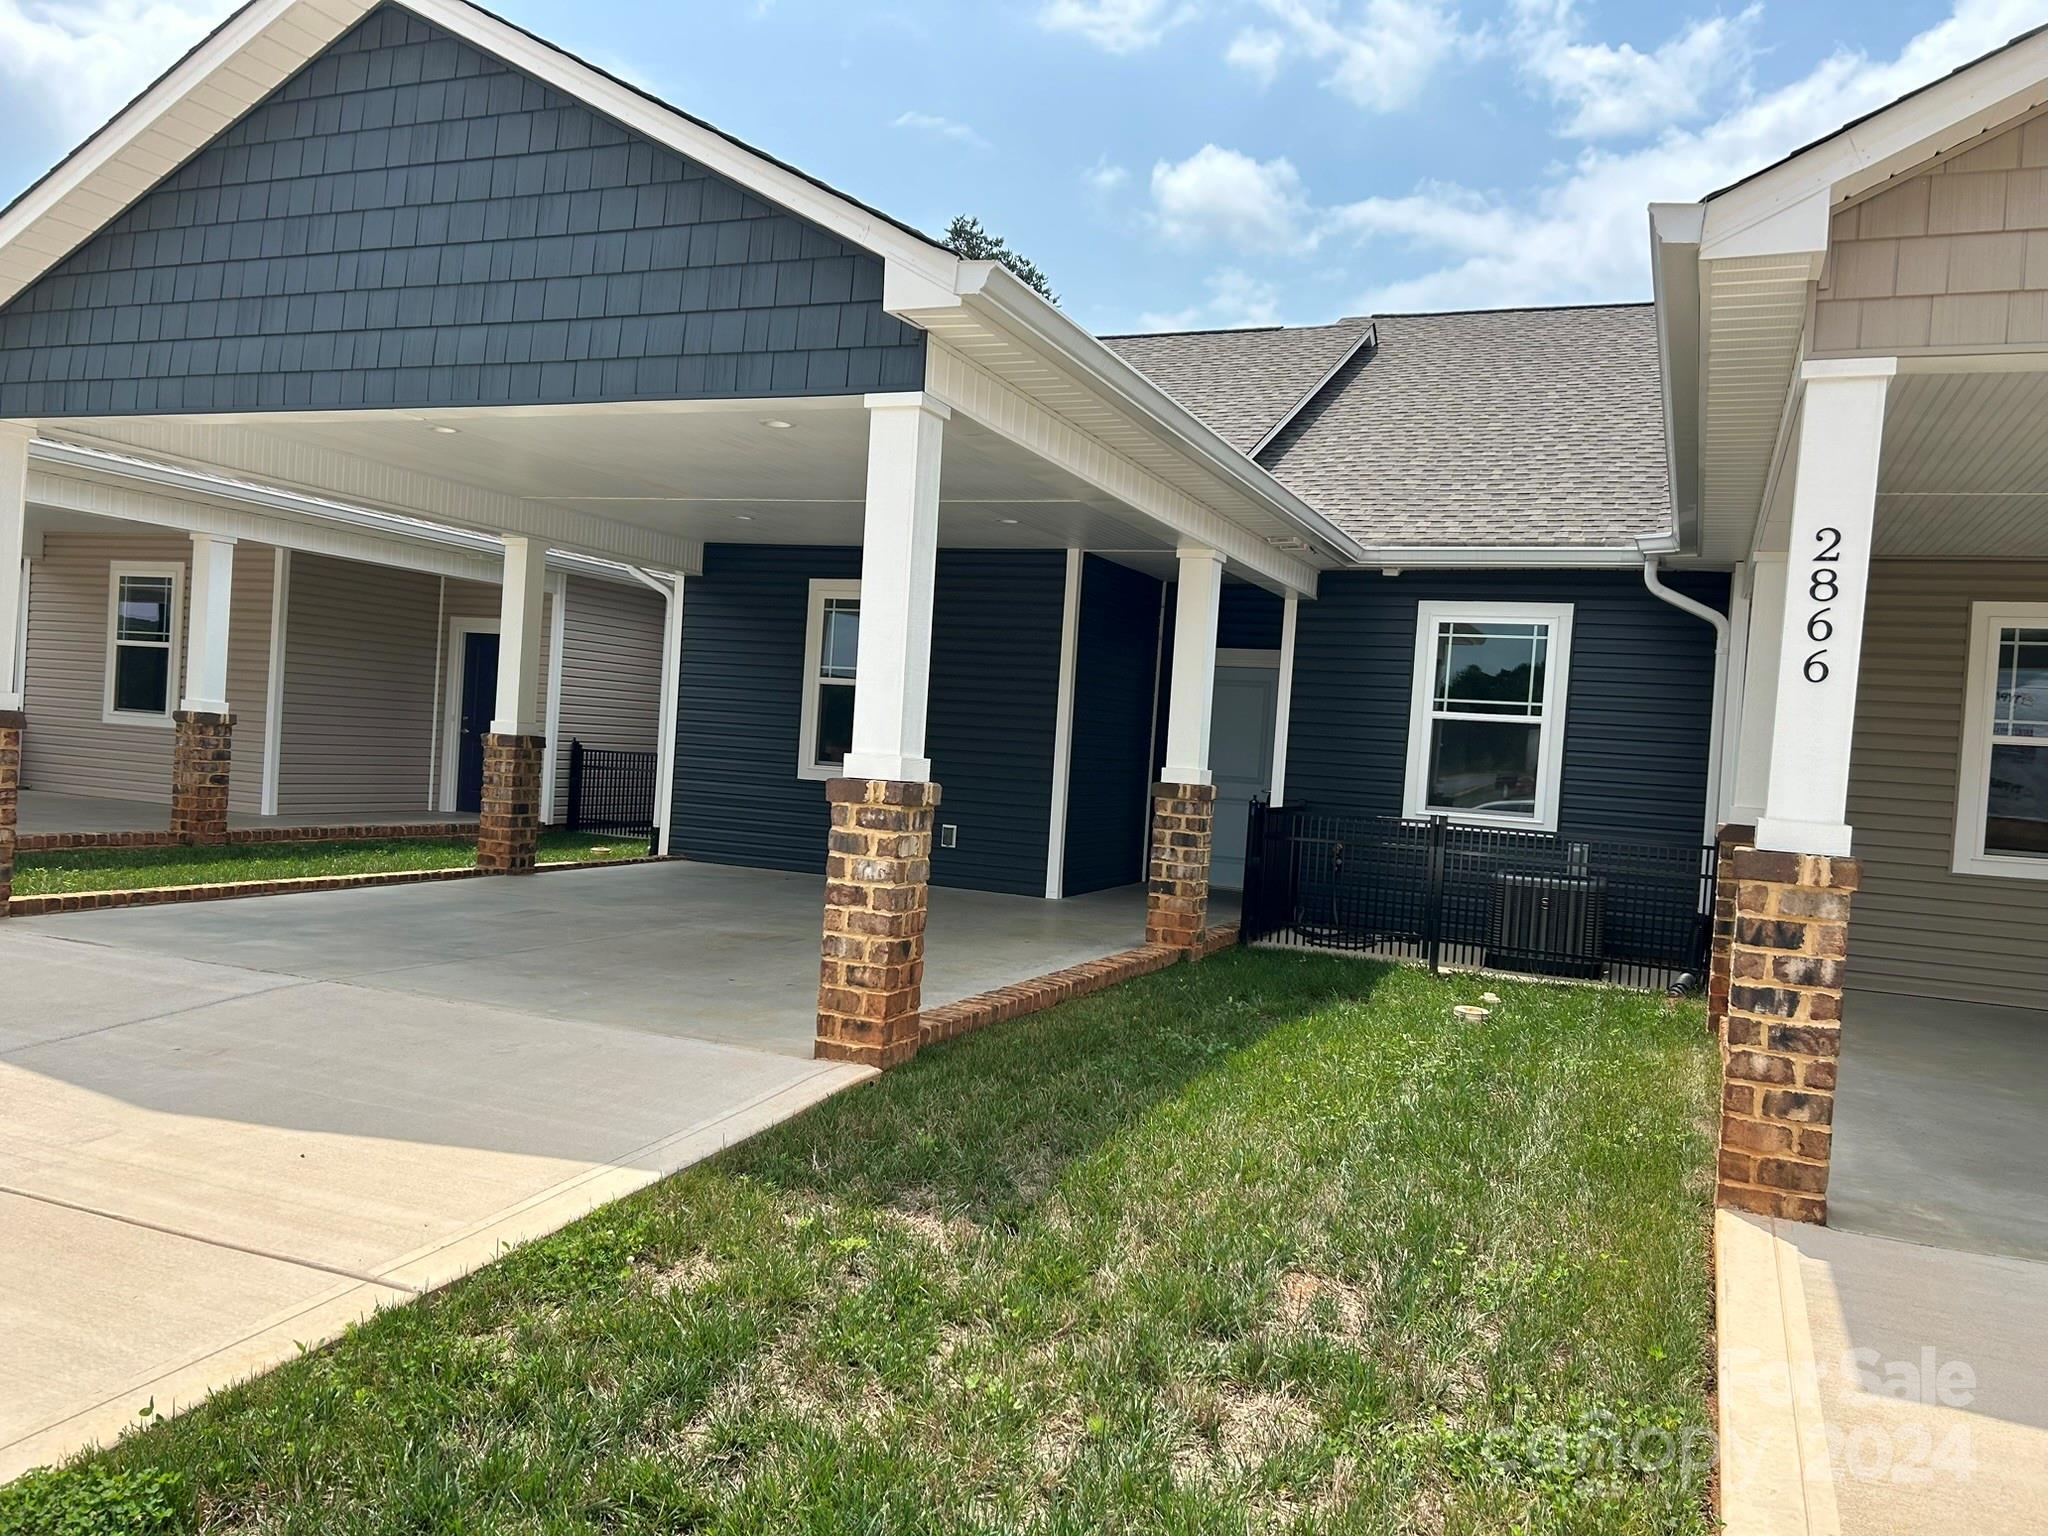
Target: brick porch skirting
x=878 y=866
x=508 y=823
x=1177 y=877
x=1783 y=1034
x=199 y=777
x=402 y=831
x=11 y=727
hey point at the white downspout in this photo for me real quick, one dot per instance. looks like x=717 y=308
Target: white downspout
x=1700 y=610
x=671 y=590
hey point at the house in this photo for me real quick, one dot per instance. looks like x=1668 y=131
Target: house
x=957 y=595
x=361 y=654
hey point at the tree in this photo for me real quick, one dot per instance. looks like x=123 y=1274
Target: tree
x=968 y=240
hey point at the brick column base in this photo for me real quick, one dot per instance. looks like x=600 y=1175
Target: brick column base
x=1177 y=879
x=877 y=870
x=1722 y=953
x=508 y=819
x=12 y=724
x=1783 y=1034
x=199 y=776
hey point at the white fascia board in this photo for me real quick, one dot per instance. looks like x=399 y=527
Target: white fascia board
x=1008 y=412
x=1505 y=557
x=1777 y=204
x=922 y=261
x=1005 y=300
x=96 y=496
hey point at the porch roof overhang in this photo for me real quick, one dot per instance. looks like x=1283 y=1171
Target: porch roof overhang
x=1734 y=274
x=1003 y=355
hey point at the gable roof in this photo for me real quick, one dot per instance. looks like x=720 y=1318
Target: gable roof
x=1246 y=384
x=1526 y=428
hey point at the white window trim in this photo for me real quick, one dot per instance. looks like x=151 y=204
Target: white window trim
x=174 y=672
x=822 y=592
x=1973 y=763
x=1550 y=740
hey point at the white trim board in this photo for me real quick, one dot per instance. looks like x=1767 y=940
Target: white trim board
x=558 y=618
x=1556 y=691
x=273 y=677
x=1973 y=762
x=1063 y=732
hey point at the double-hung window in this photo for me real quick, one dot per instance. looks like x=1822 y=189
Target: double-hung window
x=2002 y=785
x=831 y=668
x=1486 y=714
x=142 y=642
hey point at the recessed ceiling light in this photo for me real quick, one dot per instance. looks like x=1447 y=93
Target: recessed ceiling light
x=743 y=517
x=1008 y=522
x=775 y=422
x=447 y=431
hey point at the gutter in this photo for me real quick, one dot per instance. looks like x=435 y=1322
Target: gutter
x=1652 y=579
x=1001 y=292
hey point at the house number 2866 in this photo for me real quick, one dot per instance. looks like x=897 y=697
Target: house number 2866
x=1822 y=588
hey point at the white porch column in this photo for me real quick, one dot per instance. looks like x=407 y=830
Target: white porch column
x=898 y=562
x=14 y=440
x=206 y=628
x=1827 y=568
x=519 y=639
x=1750 y=774
x=508 y=820
x=1191 y=699
x=1283 y=699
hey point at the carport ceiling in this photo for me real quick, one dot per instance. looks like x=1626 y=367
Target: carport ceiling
x=714 y=472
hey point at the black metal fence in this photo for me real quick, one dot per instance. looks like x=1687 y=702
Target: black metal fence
x=1633 y=914
x=611 y=792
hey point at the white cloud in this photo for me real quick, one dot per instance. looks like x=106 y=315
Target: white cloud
x=1257 y=52
x=1116 y=26
x=1222 y=197
x=1381 y=54
x=66 y=68
x=1105 y=176
x=1583 y=234
x=941 y=127
x=1617 y=90
x=1235 y=299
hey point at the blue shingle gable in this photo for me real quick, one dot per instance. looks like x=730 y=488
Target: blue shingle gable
x=410 y=222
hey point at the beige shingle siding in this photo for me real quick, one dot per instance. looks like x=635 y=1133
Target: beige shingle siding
x=1918 y=928
x=358 y=690
x=611 y=673
x=1956 y=256
x=1242 y=383
x=70 y=748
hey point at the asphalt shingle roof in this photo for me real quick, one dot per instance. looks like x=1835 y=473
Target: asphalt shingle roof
x=1527 y=427
x=1242 y=383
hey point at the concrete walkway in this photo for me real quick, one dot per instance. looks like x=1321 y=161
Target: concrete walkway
x=1871 y=1387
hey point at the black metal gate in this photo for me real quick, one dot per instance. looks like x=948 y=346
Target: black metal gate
x=1633 y=914
x=612 y=792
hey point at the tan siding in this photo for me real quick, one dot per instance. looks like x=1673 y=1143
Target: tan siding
x=71 y=749
x=1917 y=927
x=611 y=673
x=358 y=690
x=1955 y=257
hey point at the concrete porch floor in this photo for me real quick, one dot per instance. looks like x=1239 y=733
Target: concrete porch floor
x=233 y=1129
x=1941 y=1125
x=45 y=811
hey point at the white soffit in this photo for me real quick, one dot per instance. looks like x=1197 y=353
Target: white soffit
x=1964 y=467
x=1755 y=316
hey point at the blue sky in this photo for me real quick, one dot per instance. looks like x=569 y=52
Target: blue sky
x=1196 y=162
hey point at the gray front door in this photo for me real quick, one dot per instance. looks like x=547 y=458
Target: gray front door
x=1241 y=757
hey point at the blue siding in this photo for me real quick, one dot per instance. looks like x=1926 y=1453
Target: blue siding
x=1248 y=618
x=1636 y=721
x=410 y=222
x=994 y=695
x=1108 y=799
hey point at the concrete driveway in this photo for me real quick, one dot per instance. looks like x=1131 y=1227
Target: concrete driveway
x=232 y=1128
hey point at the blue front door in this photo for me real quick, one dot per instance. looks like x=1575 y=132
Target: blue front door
x=479 y=697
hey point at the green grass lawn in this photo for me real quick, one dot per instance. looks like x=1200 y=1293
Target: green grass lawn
x=132 y=869
x=1266 y=1244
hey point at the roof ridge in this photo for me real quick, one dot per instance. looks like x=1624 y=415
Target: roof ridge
x=1512 y=309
